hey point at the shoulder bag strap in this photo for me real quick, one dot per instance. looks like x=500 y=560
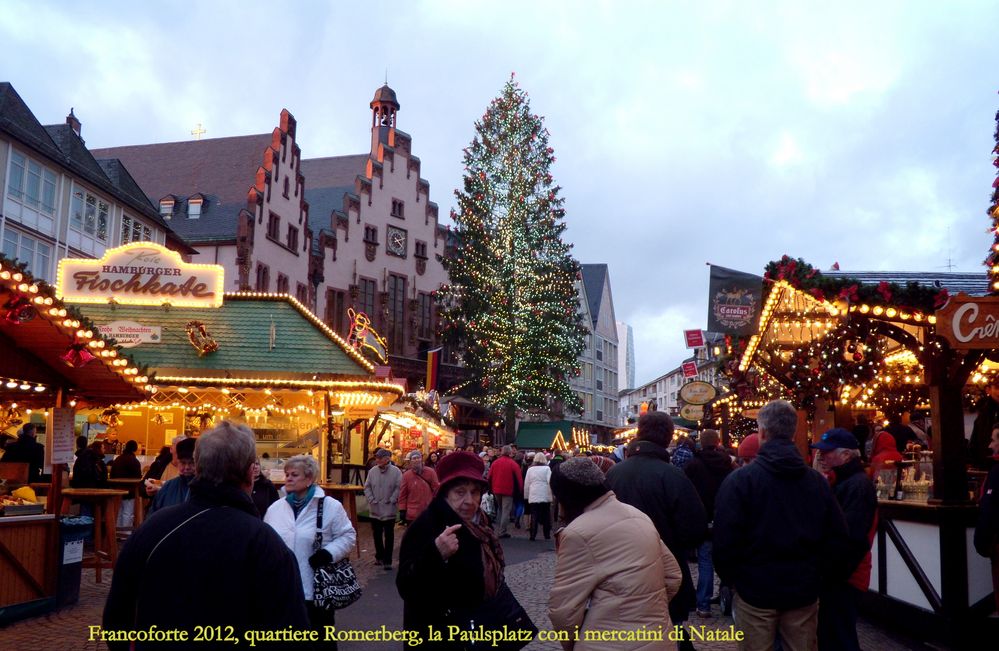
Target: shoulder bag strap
x=317 y=545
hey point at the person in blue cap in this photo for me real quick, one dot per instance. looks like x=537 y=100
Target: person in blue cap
x=839 y=453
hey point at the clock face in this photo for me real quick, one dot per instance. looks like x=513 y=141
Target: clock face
x=397 y=241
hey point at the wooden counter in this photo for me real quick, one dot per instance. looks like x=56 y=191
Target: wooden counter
x=29 y=557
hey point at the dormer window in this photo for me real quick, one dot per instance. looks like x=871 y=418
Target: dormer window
x=166 y=207
x=194 y=207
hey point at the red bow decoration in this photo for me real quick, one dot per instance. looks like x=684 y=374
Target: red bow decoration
x=77 y=356
x=940 y=298
x=818 y=293
x=885 y=291
x=20 y=310
x=849 y=294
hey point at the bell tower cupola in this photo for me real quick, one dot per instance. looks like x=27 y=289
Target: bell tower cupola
x=384 y=107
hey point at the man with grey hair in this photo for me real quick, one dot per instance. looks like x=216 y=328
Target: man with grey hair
x=779 y=534
x=419 y=484
x=209 y=561
x=505 y=481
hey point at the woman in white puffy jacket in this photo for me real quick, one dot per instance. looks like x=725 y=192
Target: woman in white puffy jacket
x=538 y=494
x=294 y=518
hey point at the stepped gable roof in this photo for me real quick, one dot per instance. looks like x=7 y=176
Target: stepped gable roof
x=222 y=169
x=972 y=283
x=327 y=180
x=60 y=143
x=242 y=327
x=594 y=279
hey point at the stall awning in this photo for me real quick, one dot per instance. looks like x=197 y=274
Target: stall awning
x=43 y=348
x=544 y=436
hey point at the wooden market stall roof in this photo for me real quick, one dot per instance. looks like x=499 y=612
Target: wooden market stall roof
x=553 y=435
x=40 y=337
x=259 y=336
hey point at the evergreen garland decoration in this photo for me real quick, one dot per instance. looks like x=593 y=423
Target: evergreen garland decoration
x=992 y=261
x=803 y=276
x=512 y=307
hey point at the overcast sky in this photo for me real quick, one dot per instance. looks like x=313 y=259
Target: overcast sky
x=686 y=132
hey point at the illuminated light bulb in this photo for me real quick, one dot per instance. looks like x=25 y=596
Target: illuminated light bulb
x=68 y=323
x=878 y=310
x=11 y=384
x=39 y=388
x=5 y=274
x=39 y=300
x=864 y=309
x=25 y=386
x=72 y=403
x=891 y=312
x=33 y=289
x=79 y=333
x=23 y=287
x=932 y=319
x=18 y=277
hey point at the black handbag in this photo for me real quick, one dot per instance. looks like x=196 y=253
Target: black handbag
x=335 y=584
x=503 y=614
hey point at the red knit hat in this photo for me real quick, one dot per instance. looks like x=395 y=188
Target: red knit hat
x=750 y=446
x=460 y=465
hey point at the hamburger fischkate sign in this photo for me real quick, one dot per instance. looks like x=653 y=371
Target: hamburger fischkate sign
x=140 y=273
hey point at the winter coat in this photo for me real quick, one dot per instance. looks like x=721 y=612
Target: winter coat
x=176 y=491
x=264 y=494
x=857 y=498
x=188 y=566
x=26 y=450
x=429 y=585
x=883 y=450
x=299 y=533
x=155 y=470
x=416 y=492
x=660 y=490
x=779 y=531
x=599 y=588
x=505 y=477
x=537 y=484
x=381 y=489
x=979 y=454
x=707 y=470
x=126 y=466
x=89 y=470
x=987 y=530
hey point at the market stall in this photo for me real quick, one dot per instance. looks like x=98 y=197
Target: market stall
x=51 y=361
x=258 y=358
x=841 y=347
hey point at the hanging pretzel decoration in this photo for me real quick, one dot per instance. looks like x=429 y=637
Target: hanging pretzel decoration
x=201 y=339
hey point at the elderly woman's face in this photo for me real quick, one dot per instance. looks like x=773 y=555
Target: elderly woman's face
x=295 y=479
x=464 y=497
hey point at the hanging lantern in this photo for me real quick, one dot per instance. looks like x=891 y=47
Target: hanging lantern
x=20 y=310
x=77 y=356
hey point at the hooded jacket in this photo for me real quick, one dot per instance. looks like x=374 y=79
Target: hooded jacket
x=883 y=450
x=208 y=561
x=707 y=470
x=779 y=532
x=660 y=490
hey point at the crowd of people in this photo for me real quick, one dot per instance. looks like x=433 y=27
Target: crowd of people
x=791 y=539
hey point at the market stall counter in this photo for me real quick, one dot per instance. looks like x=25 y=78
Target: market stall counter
x=28 y=553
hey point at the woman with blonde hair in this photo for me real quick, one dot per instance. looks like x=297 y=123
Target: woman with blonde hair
x=296 y=519
x=538 y=495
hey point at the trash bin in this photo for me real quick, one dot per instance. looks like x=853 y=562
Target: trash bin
x=72 y=533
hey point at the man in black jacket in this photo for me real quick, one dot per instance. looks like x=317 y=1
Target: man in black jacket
x=987 y=409
x=27 y=450
x=649 y=482
x=778 y=534
x=707 y=470
x=209 y=562
x=838 y=453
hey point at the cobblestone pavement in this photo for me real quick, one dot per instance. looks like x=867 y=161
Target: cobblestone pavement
x=530 y=580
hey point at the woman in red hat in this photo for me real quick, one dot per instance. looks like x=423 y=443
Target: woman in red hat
x=451 y=566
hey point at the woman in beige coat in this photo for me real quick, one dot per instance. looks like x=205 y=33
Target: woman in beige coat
x=613 y=576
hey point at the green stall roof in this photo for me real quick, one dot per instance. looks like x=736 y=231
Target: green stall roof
x=244 y=328
x=543 y=436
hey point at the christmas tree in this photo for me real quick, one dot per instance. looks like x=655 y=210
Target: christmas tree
x=512 y=307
